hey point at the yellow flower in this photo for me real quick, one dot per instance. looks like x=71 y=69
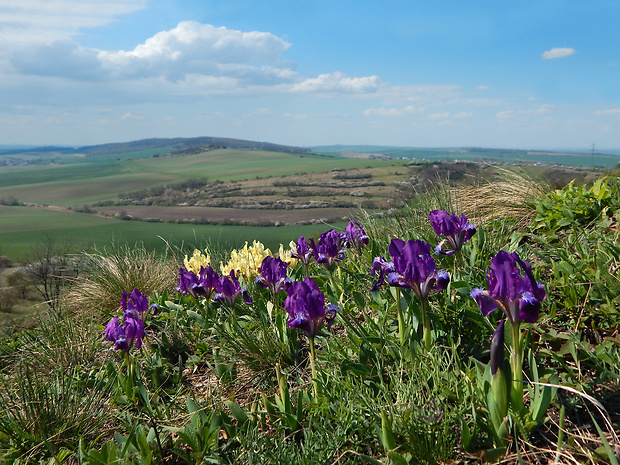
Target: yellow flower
x=246 y=261
x=197 y=261
x=285 y=255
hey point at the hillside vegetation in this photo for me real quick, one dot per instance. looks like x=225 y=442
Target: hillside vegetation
x=330 y=362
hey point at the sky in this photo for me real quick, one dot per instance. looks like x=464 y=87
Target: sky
x=531 y=74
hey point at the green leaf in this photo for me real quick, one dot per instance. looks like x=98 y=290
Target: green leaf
x=396 y=458
x=237 y=412
x=387 y=436
x=610 y=453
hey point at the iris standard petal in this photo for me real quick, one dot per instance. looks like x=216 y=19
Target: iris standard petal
x=505 y=282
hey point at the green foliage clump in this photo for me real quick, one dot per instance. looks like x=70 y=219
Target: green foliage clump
x=574 y=206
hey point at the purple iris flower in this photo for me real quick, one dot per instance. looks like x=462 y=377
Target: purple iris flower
x=273 y=275
x=456 y=231
x=137 y=304
x=381 y=266
x=512 y=288
x=229 y=290
x=202 y=285
x=303 y=252
x=355 y=236
x=124 y=335
x=305 y=305
x=414 y=268
x=328 y=249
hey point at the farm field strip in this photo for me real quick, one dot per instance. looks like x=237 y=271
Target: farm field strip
x=23 y=227
x=217 y=214
x=84 y=191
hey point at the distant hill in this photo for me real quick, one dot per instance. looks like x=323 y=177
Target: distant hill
x=181 y=144
x=175 y=144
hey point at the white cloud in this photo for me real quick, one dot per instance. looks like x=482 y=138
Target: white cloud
x=190 y=52
x=299 y=116
x=505 y=115
x=198 y=48
x=337 y=82
x=523 y=115
x=36 y=21
x=611 y=111
x=262 y=112
x=383 y=111
x=445 y=116
x=60 y=58
x=558 y=52
x=132 y=116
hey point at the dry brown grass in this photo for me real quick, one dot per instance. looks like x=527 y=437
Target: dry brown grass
x=514 y=195
x=108 y=274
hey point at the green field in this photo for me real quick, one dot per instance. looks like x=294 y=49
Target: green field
x=21 y=228
x=93 y=181
x=81 y=181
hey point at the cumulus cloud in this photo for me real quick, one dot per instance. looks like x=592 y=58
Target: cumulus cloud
x=192 y=56
x=192 y=47
x=383 y=111
x=337 y=81
x=558 y=52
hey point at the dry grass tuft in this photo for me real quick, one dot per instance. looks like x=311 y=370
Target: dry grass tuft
x=107 y=275
x=514 y=195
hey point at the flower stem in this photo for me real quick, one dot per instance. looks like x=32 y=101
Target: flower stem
x=401 y=319
x=129 y=381
x=516 y=362
x=315 y=382
x=426 y=325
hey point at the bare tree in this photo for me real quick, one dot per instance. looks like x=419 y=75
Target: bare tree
x=50 y=268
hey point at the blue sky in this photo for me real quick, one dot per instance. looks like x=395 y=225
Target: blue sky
x=448 y=73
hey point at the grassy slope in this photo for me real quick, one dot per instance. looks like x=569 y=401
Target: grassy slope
x=23 y=227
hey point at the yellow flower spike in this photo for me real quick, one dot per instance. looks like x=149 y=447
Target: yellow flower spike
x=246 y=261
x=197 y=261
x=285 y=255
